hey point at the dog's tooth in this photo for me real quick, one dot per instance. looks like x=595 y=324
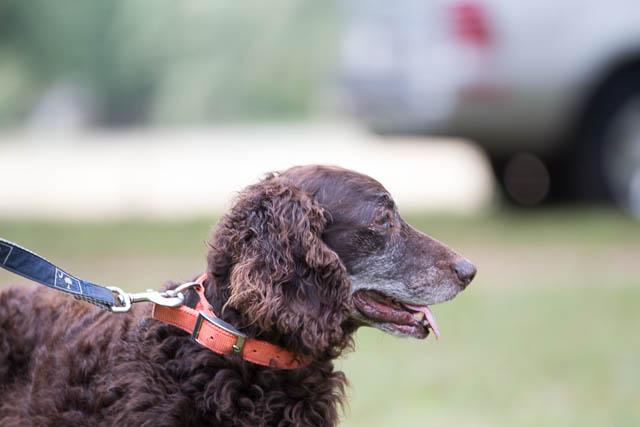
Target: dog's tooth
x=419 y=316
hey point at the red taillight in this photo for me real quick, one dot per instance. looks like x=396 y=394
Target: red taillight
x=470 y=24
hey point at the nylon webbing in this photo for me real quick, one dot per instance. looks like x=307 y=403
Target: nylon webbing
x=25 y=263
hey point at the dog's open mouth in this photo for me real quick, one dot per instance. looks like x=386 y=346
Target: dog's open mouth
x=394 y=316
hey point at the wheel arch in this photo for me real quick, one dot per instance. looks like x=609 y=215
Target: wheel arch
x=625 y=66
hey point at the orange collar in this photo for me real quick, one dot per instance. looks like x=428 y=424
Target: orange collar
x=219 y=336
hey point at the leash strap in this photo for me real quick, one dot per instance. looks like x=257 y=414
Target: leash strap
x=221 y=337
x=25 y=263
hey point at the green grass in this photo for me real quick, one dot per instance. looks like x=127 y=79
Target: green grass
x=547 y=335
x=510 y=357
x=592 y=226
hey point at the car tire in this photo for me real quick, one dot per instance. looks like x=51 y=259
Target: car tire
x=606 y=156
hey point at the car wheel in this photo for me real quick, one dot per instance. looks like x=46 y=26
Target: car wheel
x=608 y=164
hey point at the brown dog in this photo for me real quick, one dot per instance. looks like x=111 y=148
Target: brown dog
x=302 y=259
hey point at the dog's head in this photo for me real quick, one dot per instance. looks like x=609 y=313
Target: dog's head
x=309 y=254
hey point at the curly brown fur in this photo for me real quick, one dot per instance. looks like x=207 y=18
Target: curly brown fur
x=284 y=266
x=269 y=263
x=66 y=363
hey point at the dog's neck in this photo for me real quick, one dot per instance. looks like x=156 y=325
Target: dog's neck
x=206 y=376
x=217 y=295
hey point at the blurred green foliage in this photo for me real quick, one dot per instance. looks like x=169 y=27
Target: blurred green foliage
x=165 y=62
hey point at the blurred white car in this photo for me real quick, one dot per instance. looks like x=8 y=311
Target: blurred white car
x=551 y=89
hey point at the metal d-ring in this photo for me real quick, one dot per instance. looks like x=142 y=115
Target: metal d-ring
x=122 y=298
x=181 y=288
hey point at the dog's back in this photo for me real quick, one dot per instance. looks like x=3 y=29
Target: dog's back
x=67 y=363
x=51 y=349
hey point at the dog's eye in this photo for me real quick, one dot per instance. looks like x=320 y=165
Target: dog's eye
x=386 y=221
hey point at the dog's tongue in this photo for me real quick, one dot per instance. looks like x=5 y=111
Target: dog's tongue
x=431 y=319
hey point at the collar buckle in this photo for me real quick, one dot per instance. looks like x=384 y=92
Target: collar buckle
x=221 y=324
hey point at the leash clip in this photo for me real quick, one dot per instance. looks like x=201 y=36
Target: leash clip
x=168 y=298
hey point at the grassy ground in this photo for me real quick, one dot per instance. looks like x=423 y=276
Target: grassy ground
x=548 y=333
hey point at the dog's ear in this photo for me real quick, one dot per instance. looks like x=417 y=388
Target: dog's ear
x=279 y=272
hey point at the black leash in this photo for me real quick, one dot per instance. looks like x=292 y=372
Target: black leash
x=23 y=262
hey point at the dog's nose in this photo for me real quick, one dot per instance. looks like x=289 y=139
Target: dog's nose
x=465 y=271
